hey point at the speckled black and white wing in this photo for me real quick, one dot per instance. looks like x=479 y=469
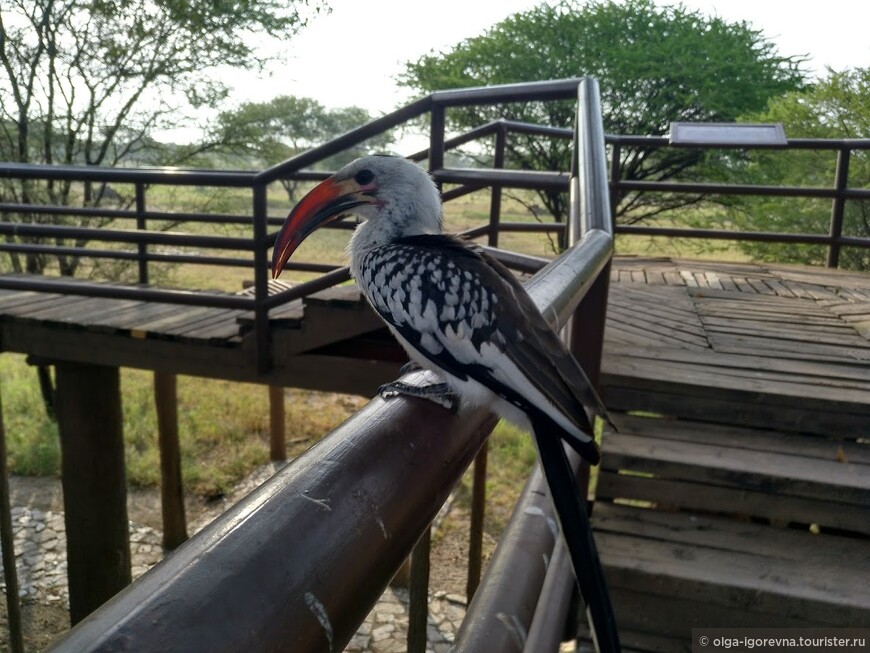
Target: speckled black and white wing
x=463 y=314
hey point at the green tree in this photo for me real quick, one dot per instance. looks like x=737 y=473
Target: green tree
x=268 y=132
x=838 y=106
x=88 y=82
x=655 y=65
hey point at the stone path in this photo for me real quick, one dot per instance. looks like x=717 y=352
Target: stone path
x=40 y=551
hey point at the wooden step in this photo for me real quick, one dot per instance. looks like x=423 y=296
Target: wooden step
x=781 y=476
x=788 y=394
x=671 y=571
x=700 y=524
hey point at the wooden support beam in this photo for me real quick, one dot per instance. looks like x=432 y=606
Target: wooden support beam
x=7 y=543
x=277 y=431
x=88 y=404
x=478 y=508
x=418 y=599
x=171 y=487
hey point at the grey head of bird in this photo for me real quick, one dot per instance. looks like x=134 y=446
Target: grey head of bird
x=394 y=196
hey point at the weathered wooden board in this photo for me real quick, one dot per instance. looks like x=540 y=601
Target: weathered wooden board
x=668 y=494
x=757 y=471
x=833 y=448
x=819 y=579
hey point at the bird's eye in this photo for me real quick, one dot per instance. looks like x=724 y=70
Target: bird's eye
x=364 y=177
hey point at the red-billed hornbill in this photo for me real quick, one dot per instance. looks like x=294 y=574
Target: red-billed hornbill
x=460 y=314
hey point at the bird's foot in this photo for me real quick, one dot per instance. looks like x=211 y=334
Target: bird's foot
x=439 y=393
x=410 y=366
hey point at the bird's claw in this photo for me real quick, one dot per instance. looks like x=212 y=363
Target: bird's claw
x=410 y=366
x=438 y=393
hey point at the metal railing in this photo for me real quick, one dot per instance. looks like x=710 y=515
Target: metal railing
x=142 y=240
x=839 y=194
x=282 y=570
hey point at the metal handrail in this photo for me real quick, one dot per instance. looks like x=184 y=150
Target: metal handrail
x=839 y=194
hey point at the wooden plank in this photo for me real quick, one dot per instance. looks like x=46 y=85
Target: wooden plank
x=132 y=317
x=648 y=618
x=12 y=298
x=87 y=310
x=741 y=298
x=709 y=378
x=852 y=309
x=751 y=439
x=836 y=331
x=663 y=300
x=759 y=540
x=28 y=309
x=637 y=336
x=196 y=323
x=669 y=330
x=223 y=333
x=839 y=336
x=635 y=308
x=710 y=311
x=756 y=471
x=821 y=579
x=779 y=288
x=806 y=350
x=631 y=641
x=674 y=278
x=671 y=493
x=680 y=400
x=655 y=277
x=689 y=279
x=821 y=276
x=332 y=321
x=723 y=267
x=713 y=280
x=179 y=316
x=797 y=289
x=775 y=365
x=734 y=364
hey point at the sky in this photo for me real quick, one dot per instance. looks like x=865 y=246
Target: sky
x=353 y=55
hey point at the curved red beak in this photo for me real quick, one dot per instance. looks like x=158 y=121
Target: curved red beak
x=323 y=204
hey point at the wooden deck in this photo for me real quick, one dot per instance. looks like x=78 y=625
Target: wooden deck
x=737 y=489
x=203 y=341
x=749 y=344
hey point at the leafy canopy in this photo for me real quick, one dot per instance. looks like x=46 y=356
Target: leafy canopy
x=89 y=81
x=654 y=65
x=86 y=81
x=266 y=133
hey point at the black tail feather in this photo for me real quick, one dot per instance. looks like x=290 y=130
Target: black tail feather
x=571 y=509
x=587 y=449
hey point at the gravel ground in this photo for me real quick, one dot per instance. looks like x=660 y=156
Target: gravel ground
x=41 y=554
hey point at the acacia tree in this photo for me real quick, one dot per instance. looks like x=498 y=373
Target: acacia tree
x=87 y=82
x=286 y=125
x=655 y=65
x=838 y=106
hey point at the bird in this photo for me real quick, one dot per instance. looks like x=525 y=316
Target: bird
x=458 y=313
